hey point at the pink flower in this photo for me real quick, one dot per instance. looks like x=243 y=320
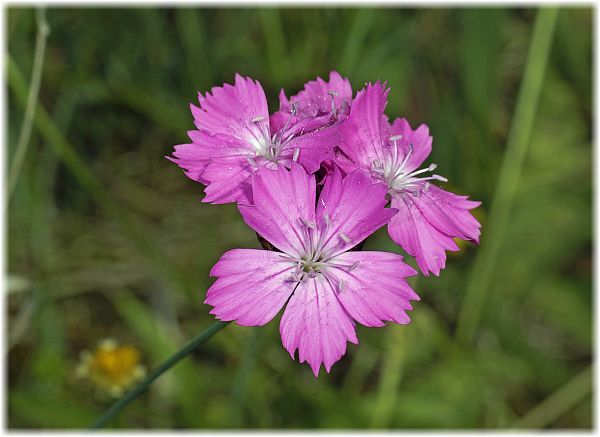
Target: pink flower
x=322 y=101
x=429 y=217
x=326 y=287
x=235 y=136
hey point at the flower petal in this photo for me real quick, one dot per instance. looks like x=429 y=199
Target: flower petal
x=449 y=213
x=194 y=157
x=419 y=140
x=417 y=236
x=366 y=129
x=314 y=147
x=349 y=210
x=283 y=202
x=373 y=289
x=253 y=286
x=231 y=109
x=315 y=323
x=228 y=180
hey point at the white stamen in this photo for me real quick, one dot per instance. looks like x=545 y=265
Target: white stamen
x=432 y=167
x=296 y=154
x=332 y=93
x=308 y=224
x=345 y=237
x=406 y=157
x=327 y=219
x=251 y=161
x=396 y=137
x=257 y=119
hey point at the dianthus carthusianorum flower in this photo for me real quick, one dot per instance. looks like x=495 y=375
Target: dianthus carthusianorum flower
x=326 y=287
x=322 y=101
x=429 y=217
x=235 y=134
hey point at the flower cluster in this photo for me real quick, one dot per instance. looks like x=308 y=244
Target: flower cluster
x=315 y=179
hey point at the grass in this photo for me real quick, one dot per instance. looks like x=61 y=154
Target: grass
x=106 y=238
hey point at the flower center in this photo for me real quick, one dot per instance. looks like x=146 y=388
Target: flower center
x=316 y=258
x=270 y=147
x=391 y=169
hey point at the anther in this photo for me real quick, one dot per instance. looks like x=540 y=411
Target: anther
x=396 y=137
x=332 y=94
x=296 y=154
x=258 y=119
x=308 y=224
x=345 y=237
x=432 y=167
x=327 y=219
x=353 y=266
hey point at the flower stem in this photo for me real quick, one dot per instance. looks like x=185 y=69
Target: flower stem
x=557 y=404
x=479 y=280
x=32 y=96
x=138 y=390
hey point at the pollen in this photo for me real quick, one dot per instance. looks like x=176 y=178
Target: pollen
x=111 y=367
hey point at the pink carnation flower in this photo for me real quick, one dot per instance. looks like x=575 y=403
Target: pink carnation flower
x=323 y=102
x=235 y=135
x=429 y=217
x=326 y=287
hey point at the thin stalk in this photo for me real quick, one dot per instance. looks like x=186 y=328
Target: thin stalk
x=272 y=27
x=32 y=97
x=559 y=402
x=389 y=383
x=394 y=359
x=65 y=151
x=478 y=283
x=355 y=43
x=53 y=136
x=138 y=390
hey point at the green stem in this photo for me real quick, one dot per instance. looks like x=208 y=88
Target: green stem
x=561 y=401
x=479 y=280
x=138 y=390
x=53 y=136
x=389 y=383
x=32 y=96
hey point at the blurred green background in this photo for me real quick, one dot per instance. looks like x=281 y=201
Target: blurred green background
x=107 y=239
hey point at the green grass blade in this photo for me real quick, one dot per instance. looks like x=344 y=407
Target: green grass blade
x=479 y=280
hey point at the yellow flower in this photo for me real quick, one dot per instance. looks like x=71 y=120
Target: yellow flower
x=111 y=367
